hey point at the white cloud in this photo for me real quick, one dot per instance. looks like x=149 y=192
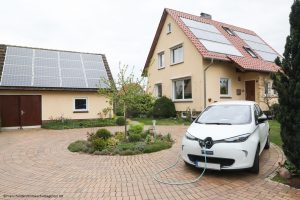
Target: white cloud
x=124 y=30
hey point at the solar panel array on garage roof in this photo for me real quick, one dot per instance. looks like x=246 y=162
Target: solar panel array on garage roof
x=259 y=46
x=31 y=67
x=211 y=37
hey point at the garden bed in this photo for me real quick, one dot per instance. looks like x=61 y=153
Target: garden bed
x=138 y=142
x=72 y=123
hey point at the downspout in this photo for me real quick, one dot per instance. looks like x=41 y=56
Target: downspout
x=205 y=69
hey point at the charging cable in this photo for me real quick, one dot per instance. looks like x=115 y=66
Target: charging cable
x=179 y=182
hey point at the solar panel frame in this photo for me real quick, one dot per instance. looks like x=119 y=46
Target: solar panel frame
x=267 y=56
x=260 y=47
x=200 y=34
x=220 y=48
x=50 y=68
x=200 y=25
x=249 y=37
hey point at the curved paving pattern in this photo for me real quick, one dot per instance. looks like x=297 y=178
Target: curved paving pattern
x=37 y=162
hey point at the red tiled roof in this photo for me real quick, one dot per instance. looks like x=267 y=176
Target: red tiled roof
x=247 y=62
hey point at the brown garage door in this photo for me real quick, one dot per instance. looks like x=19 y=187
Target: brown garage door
x=20 y=110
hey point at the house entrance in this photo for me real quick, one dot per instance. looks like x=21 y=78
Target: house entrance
x=250 y=90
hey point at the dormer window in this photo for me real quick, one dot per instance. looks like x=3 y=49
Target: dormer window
x=169 y=28
x=251 y=52
x=229 y=31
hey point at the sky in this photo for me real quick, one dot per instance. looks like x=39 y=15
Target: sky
x=123 y=30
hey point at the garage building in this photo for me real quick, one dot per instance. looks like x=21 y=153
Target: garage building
x=38 y=85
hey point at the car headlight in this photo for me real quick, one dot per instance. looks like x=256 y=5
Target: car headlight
x=189 y=136
x=239 y=138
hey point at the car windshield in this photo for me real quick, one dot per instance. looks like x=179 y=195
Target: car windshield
x=226 y=115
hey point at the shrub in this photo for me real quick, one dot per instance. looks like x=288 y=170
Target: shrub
x=164 y=108
x=157 y=146
x=79 y=145
x=133 y=137
x=103 y=133
x=148 y=139
x=140 y=147
x=99 y=144
x=91 y=136
x=112 y=142
x=127 y=152
x=120 y=136
x=136 y=128
x=140 y=105
x=120 y=121
x=125 y=146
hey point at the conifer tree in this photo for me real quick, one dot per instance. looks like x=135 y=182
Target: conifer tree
x=287 y=84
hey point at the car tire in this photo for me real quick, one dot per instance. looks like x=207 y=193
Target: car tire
x=255 y=168
x=267 y=146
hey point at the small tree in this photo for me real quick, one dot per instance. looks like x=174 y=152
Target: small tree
x=126 y=88
x=287 y=84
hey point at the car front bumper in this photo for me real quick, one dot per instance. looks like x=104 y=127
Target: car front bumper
x=228 y=155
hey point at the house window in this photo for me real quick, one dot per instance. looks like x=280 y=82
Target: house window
x=229 y=31
x=268 y=88
x=177 y=54
x=182 y=89
x=250 y=52
x=158 y=90
x=80 y=105
x=225 y=86
x=161 y=60
x=169 y=28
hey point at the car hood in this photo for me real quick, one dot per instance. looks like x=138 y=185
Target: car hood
x=218 y=132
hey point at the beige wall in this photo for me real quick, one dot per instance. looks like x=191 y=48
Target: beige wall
x=56 y=104
x=191 y=67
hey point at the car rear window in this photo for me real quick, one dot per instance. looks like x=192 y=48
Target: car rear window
x=226 y=114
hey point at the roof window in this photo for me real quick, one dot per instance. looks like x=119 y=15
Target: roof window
x=251 y=52
x=229 y=31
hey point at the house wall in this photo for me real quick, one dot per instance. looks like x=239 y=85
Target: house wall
x=191 y=67
x=57 y=104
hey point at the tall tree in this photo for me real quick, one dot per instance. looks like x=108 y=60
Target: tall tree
x=287 y=84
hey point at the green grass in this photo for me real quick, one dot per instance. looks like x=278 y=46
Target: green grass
x=86 y=123
x=275 y=133
x=279 y=179
x=168 y=121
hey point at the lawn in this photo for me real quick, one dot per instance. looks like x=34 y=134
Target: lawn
x=275 y=133
x=168 y=121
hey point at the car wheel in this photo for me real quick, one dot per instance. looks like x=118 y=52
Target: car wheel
x=267 y=146
x=255 y=167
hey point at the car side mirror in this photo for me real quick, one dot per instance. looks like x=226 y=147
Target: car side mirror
x=262 y=119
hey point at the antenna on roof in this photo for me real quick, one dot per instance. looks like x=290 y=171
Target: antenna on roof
x=205 y=15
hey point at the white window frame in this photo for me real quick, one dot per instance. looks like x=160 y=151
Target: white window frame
x=229 y=87
x=169 y=28
x=174 y=89
x=156 y=90
x=173 y=61
x=161 y=60
x=80 y=110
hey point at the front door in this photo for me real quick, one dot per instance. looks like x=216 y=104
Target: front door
x=20 y=110
x=250 y=90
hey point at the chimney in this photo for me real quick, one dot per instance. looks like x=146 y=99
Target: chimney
x=205 y=15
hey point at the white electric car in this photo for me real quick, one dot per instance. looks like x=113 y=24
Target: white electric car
x=232 y=134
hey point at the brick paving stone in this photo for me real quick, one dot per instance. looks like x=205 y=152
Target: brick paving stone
x=38 y=162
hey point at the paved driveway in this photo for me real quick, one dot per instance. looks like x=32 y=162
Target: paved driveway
x=37 y=163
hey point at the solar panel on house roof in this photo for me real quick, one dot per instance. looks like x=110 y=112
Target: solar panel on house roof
x=48 y=68
x=211 y=37
x=259 y=46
